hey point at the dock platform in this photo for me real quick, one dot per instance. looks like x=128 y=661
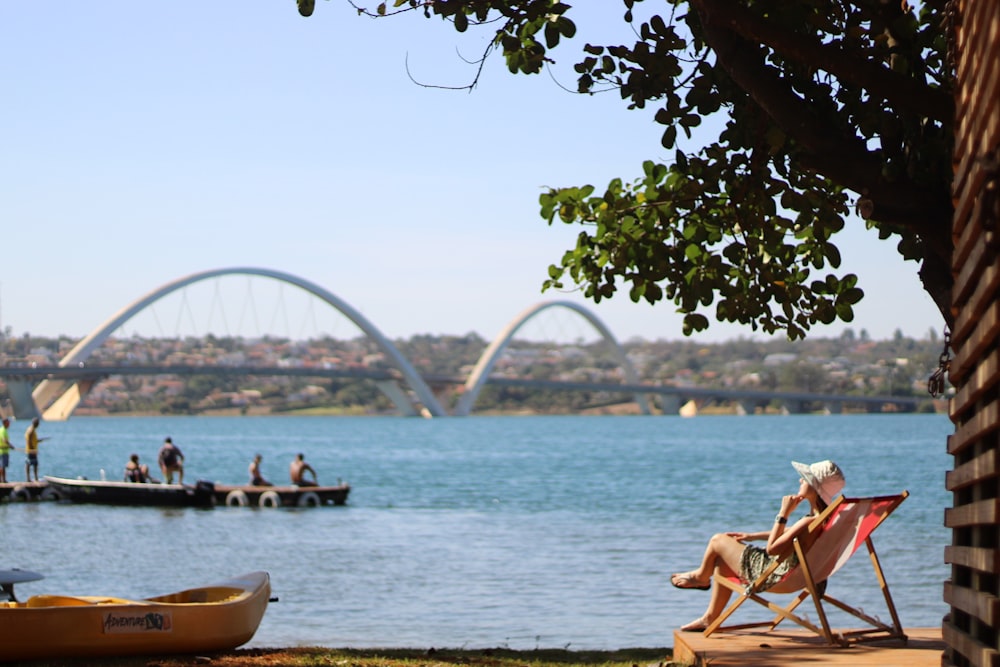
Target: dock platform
x=788 y=648
x=21 y=491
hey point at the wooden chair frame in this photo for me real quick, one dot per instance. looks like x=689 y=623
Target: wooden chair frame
x=814 y=587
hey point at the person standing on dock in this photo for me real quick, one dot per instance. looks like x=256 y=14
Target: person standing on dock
x=31 y=441
x=5 y=448
x=298 y=468
x=171 y=461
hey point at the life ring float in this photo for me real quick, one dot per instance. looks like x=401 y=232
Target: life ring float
x=21 y=494
x=269 y=499
x=309 y=499
x=48 y=493
x=237 y=498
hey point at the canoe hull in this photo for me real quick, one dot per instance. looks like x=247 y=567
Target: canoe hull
x=100 y=492
x=212 y=618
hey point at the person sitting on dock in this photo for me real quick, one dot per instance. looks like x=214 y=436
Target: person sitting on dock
x=255 y=477
x=136 y=472
x=729 y=555
x=298 y=468
x=171 y=460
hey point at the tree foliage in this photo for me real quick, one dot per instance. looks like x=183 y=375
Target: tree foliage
x=829 y=106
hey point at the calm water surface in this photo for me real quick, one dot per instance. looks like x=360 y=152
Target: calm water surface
x=483 y=531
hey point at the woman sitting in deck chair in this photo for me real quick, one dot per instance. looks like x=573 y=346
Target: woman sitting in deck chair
x=728 y=555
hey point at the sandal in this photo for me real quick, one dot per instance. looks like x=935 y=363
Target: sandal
x=688 y=580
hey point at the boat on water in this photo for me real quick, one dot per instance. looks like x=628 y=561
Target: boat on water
x=281 y=496
x=217 y=617
x=201 y=494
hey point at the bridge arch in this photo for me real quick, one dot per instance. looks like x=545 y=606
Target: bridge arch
x=56 y=397
x=480 y=374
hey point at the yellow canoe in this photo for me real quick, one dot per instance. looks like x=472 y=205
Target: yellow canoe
x=211 y=618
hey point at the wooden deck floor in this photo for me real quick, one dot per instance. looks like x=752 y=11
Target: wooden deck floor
x=753 y=648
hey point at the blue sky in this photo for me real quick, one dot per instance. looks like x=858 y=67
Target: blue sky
x=146 y=141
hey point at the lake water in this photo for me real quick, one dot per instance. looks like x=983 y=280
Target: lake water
x=479 y=532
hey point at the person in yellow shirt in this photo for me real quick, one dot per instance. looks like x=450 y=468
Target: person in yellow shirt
x=5 y=448
x=31 y=441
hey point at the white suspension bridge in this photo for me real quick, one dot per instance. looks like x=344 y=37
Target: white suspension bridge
x=53 y=392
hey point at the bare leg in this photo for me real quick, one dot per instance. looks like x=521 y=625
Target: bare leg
x=716 y=604
x=722 y=552
x=722 y=559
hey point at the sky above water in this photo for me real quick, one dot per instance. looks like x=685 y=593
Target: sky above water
x=143 y=142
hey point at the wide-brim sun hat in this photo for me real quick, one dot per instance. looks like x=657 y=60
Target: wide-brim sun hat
x=825 y=477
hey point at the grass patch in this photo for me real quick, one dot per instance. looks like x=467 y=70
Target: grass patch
x=310 y=656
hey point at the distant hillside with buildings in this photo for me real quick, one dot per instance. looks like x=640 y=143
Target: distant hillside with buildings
x=851 y=364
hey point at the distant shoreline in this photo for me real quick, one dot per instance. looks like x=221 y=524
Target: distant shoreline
x=625 y=409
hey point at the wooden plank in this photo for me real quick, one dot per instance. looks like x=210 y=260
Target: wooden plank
x=968 y=352
x=965 y=239
x=977 y=653
x=968 y=274
x=965 y=323
x=985 y=377
x=969 y=175
x=980 y=138
x=981 y=468
x=963 y=189
x=980 y=559
x=975 y=367
x=984 y=288
x=794 y=648
x=967 y=39
x=973 y=429
x=980 y=513
x=977 y=45
x=981 y=605
x=974 y=39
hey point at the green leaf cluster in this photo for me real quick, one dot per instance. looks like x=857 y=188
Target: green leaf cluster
x=825 y=103
x=705 y=235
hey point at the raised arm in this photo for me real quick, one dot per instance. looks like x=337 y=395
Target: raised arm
x=780 y=538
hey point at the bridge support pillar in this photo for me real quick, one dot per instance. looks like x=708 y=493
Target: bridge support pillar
x=399 y=398
x=67 y=402
x=790 y=407
x=746 y=407
x=21 y=400
x=689 y=409
x=833 y=407
x=670 y=404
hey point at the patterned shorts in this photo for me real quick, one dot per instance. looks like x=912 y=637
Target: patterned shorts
x=755 y=560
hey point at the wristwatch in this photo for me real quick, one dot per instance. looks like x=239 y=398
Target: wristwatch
x=780 y=519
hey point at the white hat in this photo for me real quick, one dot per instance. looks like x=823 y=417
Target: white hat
x=825 y=477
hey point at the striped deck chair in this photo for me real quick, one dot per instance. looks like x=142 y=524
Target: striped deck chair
x=846 y=524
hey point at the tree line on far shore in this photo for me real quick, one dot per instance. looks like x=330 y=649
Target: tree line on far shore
x=851 y=364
